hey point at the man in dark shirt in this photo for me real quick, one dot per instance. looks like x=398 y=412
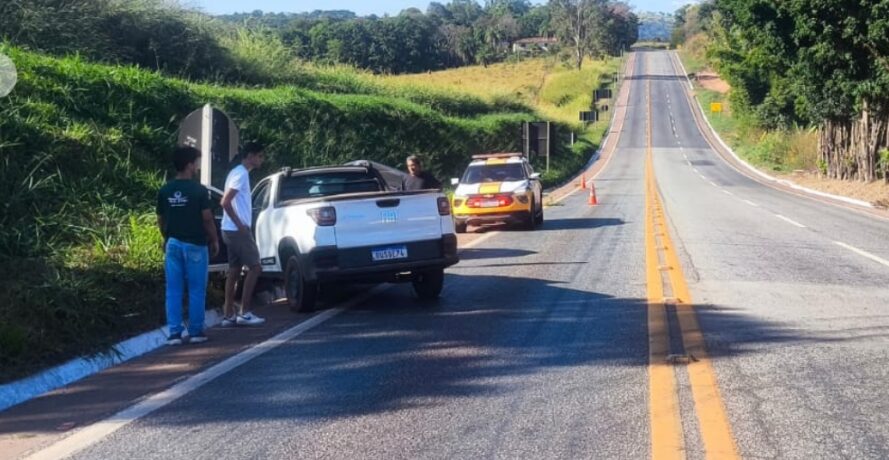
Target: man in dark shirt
x=418 y=179
x=186 y=223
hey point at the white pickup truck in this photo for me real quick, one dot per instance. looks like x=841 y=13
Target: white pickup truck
x=345 y=224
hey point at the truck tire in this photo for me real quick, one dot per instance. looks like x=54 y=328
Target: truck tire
x=460 y=227
x=428 y=284
x=301 y=294
x=539 y=218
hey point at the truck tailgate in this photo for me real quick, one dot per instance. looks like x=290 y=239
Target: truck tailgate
x=387 y=219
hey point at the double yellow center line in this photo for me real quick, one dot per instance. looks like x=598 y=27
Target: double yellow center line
x=663 y=274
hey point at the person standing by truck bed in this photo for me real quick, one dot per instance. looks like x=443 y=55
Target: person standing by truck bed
x=237 y=234
x=418 y=179
x=186 y=223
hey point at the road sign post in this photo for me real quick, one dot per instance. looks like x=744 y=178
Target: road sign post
x=211 y=131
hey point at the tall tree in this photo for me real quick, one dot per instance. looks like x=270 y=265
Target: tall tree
x=575 y=22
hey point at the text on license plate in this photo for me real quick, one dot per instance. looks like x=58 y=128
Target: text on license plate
x=390 y=253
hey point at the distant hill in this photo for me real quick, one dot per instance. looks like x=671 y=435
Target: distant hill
x=655 y=26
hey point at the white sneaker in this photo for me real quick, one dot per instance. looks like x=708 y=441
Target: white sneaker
x=229 y=321
x=250 y=320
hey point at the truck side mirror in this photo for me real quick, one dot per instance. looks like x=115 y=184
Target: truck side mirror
x=455 y=181
x=535 y=176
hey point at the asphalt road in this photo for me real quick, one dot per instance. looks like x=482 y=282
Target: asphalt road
x=539 y=345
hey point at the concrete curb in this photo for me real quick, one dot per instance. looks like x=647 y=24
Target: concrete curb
x=758 y=172
x=17 y=392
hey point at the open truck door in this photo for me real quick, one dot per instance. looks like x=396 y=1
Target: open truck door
x=211 y=131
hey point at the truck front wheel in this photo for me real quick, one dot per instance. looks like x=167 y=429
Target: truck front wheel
x=428 y=284
x=301 y=294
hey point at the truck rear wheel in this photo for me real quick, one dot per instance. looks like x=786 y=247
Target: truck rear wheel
x=428 y=284
x=460 y=227
x=301 y=294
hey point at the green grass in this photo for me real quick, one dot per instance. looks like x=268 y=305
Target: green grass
x=774 y=150
x=554 y=91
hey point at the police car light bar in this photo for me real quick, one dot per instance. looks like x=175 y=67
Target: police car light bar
x=486 y=156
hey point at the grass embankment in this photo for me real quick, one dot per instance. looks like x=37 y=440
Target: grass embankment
x=555 y=92
x=789 y=153
x=84 y=149
x=780 y=151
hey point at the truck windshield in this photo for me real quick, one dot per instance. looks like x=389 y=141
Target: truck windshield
x=326 y=184
x=509 y=172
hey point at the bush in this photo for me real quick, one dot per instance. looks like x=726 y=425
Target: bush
x=153 y=34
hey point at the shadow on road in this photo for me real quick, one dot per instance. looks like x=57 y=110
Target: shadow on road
x=657 y=77
x=493 y=253
x=580 y=223
x=483 y=338
x=525 y=264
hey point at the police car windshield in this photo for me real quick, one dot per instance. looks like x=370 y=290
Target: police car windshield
x=509 y=172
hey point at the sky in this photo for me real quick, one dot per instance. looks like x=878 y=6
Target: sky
x=366 y=7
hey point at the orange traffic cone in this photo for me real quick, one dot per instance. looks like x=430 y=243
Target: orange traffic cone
x=583 y=180
x=593 y=200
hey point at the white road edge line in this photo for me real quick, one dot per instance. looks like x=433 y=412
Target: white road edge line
x=860 y=252
x=727 y=192
x=751 y=203
x=713 y=183
x=756 y=171
x=96 y=432
x=92 y=434
x=790 y=221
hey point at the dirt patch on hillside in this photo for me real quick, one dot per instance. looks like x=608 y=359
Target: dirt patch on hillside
x=710 y=80
x=876 y=193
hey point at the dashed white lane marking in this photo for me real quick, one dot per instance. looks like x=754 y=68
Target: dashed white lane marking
x=751 y=203
x=860 y=252
x=727 y=192
x=713 y=183
x=790 y=221
x=694 y=169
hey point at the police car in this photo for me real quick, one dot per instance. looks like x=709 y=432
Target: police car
x=498 y=188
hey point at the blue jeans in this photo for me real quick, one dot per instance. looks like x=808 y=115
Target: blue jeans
x=186 y=264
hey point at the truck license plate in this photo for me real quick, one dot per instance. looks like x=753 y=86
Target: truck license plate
x=490 y=204
x=390 y=253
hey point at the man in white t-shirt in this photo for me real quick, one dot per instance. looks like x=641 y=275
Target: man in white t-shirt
x=237 y=234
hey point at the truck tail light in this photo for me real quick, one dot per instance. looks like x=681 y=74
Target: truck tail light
x=324 y=216
x=444 y=208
